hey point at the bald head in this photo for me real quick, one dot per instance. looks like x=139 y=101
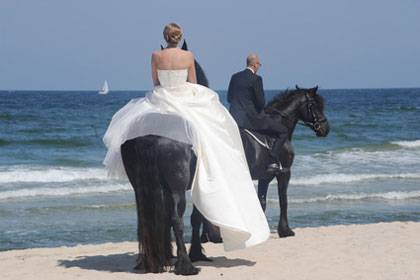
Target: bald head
x=253 y=61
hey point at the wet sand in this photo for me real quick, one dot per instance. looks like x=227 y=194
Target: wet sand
x=374 y=251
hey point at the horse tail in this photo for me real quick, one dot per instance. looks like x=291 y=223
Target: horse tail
x=153 y=203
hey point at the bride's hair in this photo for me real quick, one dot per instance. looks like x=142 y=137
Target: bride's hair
x=172 y=33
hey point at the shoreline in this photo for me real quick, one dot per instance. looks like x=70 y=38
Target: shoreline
x=369 y=251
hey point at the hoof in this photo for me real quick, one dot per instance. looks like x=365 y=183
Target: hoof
x=138 y=265
x=286 y=233
x=216 y=239
x=199 y=257
x=185 y=268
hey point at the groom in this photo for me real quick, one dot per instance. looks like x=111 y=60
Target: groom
x=247 y=101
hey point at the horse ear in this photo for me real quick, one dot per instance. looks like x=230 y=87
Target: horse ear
x=315 y=89
x=161 y=47
x=184 y=46
x=297 y=87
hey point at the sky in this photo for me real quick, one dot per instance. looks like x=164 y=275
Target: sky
x=77 y=44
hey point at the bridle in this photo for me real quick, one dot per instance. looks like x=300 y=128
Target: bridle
x=315 y=124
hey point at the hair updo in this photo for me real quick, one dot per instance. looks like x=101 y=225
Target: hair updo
x=172 y=33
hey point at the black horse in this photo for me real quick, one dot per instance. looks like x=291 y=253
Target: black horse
x=160 y=171
x=288 y=108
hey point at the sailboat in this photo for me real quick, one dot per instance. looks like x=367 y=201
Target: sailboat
x=105 y=90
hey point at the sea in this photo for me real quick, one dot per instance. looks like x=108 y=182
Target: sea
x=54 y=190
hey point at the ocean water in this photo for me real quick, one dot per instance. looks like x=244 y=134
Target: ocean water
x=54 y=190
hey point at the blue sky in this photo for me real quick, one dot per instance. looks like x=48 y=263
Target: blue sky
x=77 y=44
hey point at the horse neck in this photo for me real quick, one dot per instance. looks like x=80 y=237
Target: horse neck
x=290 y=113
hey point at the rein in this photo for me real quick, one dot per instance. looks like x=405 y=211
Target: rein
x=280 y=113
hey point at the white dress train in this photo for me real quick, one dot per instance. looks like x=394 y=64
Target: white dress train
x=222 y=189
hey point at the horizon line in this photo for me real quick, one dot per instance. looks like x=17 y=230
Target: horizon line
x=116 y=90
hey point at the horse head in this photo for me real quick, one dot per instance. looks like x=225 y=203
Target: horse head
x=302 y=104
x=312 y=111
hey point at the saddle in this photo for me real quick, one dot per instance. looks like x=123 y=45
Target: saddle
x=262 y=139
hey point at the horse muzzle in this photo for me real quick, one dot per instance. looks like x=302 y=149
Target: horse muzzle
x=322 y=128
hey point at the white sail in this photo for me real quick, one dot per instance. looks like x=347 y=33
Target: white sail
x=105 y=90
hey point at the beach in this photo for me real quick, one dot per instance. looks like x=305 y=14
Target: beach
x=372 y=251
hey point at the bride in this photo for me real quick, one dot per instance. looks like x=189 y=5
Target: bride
x=181 y=110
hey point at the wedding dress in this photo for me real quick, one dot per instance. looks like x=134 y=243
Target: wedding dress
x=222 y=189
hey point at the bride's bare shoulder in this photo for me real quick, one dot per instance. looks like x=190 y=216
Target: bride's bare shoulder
x=188 y=54
x=157 y=53
x=158 y=56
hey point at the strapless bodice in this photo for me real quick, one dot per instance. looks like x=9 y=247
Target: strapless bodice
x=172 y=78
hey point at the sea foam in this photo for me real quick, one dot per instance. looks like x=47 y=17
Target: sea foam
x=356 y=196
x=63 y=191
x=45 y=174
x=408 y=144
x=340 y=178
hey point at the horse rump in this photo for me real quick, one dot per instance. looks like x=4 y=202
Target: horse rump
x=153 y=204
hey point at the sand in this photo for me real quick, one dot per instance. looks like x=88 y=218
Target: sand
x=374 y=251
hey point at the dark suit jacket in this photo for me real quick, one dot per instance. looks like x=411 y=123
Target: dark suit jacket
x=247 y=100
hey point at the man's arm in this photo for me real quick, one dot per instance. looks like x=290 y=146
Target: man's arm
x=259 y=94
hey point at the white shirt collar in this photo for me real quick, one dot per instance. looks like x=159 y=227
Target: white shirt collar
x=250 y=69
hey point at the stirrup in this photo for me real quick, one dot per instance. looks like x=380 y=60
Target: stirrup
x=273 y=168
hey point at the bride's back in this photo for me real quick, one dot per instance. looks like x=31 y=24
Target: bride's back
x=173 y=59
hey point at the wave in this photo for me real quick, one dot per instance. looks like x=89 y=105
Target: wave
x=5 y=116
x=4 y=142
x=407 y=144
x=63 y=191
x=399 y=157
x=38 y=174
x=357 y=196
x=50 y=143
x=339 y=178
x=19 y=117
x=407 y=108
x=74 y=208
x=60 y=142
x=385 y=146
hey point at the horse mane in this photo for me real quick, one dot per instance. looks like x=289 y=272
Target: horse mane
x=284 y=97
x=281 y=98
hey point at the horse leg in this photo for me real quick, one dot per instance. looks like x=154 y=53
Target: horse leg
x=205 y=234
x=183 y=266
x=210 y=232
x=139 y=232
x=283 y=228
x=262 y=192
x=196 y=250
